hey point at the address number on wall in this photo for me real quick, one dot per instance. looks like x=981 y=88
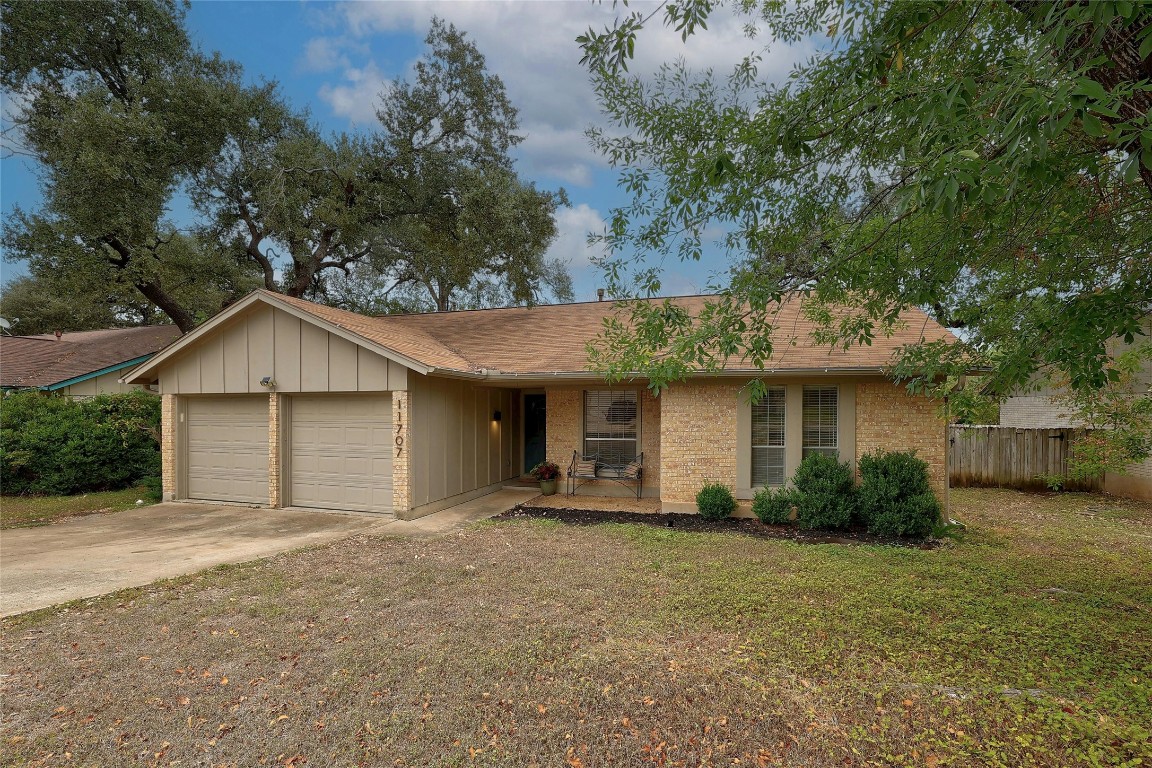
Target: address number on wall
x=399 y=433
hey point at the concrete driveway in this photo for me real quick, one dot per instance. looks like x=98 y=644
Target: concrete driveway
x=90 y=556
x=94 y=555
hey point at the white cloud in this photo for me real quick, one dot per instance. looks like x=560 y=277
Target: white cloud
x=324 y=54
x=357 y=95
x=571 y=244
x=531 y=46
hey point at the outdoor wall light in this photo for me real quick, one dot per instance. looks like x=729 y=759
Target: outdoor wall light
x=267 y=382
x=495 y=415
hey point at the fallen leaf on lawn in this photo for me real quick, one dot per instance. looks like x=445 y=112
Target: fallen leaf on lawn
x=223 y=681
x=541 y=708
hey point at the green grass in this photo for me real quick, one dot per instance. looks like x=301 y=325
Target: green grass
x=1026 y=641
x=28 y=511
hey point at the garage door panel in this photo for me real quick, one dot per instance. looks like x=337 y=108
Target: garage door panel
x=340 y=452
x=227 y=449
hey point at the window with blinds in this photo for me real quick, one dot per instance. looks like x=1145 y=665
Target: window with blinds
x=611 y=425
x=768 y=439
x=819 y=421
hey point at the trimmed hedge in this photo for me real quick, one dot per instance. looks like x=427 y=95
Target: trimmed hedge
x=826 y=493
x=895 y=496
x=775 y=507
x=58 y=446
x=715 y=501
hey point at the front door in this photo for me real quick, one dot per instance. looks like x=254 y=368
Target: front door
x=534 y=427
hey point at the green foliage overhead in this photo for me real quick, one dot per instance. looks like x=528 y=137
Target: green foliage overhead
x=119 y=109
x=990 y=162
x=55 y=445
x=124 y=115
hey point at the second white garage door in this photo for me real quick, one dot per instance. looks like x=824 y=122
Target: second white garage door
x=340 y=452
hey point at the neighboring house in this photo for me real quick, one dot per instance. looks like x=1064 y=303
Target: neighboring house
x=80 y=363
x=1040 y=407
x=277 y=401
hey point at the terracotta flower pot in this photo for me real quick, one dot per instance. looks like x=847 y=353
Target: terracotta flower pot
x=548 y=487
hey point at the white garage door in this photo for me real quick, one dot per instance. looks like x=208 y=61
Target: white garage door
x=228 y=449
x=341 y=452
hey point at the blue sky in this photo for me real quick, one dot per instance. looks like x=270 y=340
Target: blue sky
x=333 y=58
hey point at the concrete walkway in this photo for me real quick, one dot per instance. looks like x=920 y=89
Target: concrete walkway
x=95 y=555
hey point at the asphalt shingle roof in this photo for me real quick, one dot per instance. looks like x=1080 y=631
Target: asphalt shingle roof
x=510 y=340
x=44 y=360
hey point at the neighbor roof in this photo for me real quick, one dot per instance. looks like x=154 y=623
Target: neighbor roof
x=551 y=339
x=46 y=362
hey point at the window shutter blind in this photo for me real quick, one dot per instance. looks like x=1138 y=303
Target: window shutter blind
x=611 y=425
x=768 y=439
x=820 y=420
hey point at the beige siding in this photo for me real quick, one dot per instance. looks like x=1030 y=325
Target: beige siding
x=456 y=446
x=106 y=384
x=299 y=356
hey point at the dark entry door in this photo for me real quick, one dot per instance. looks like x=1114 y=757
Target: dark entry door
x=534 y=426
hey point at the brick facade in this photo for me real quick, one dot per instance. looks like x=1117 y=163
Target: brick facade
x=401 y=477
x=168 y=446
x=274 y=460
x=697 y=438
x=888 y=418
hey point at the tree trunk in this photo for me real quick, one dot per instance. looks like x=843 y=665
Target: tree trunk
x=161 y=298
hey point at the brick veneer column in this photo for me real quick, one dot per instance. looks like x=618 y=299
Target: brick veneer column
x=274 y=458
x=890 y=419
x=697 y=438
x=564 y=412
x=401 y=479
x=168 y=446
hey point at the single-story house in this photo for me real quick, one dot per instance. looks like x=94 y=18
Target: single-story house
x=282 y=402
x=81 y=363
x=1039 y=406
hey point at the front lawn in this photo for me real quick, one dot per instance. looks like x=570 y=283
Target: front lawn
x=1026 y=643
x=28 y=511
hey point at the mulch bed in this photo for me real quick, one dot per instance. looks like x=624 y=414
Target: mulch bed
x=698 y=524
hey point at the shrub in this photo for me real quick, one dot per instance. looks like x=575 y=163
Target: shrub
x=715 y=501
x=54 y=445
x=895 y=497
x=826 y=493
x=153 y=488
x=775 y=507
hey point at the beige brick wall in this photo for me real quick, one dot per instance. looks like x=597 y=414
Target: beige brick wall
x=888 y=418
x=697 y=438
x=401 y=476
x=168 y=446
x=274 y=458
x=562 y=433
x=565 y=434
x=1035 y=412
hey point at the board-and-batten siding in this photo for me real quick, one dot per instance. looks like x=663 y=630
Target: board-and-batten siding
x=459 y=447
x=299 y=356
x=104 y=384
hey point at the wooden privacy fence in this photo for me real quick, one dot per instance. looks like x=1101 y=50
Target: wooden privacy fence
x=1011 y=457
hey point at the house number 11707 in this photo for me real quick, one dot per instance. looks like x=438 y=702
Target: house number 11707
x=399 y=433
